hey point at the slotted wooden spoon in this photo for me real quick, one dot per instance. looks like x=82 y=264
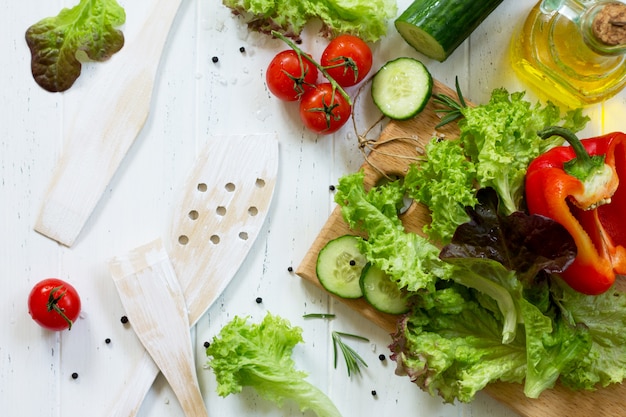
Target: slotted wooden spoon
x=219 y=216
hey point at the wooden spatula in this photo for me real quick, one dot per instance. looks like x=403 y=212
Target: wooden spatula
x=154 y=301
x=113 y=111
x=228 y=194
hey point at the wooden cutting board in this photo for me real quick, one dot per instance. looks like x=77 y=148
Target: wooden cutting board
x=398 y=146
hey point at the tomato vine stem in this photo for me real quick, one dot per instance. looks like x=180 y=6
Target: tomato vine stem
x=321 y=68
x=53 y=304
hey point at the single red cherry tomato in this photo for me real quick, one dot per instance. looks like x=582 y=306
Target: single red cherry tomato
x=54 y=304
x=347 y=59
x=324 y=110
x=289 y=75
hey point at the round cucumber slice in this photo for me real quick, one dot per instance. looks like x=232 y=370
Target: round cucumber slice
x=339 y=266
x=381 y=292
x=401 y=88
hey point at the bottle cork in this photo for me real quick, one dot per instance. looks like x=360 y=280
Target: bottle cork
x=609 y=24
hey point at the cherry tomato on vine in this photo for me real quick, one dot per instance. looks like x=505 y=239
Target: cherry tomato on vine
x=54 y=304
x=324 y=110
x=347 y=59
x=289 y=75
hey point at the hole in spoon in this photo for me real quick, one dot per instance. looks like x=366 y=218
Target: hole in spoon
x=215 y=239
x=230 y=187
x=243 y=236
x=193 y=215
x=260 y=182
x=253 y=211
x=183 y=239
x=221 y=211
x=202 y=187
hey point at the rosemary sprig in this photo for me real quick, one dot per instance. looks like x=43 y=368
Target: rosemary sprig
x=452 y=108
x=319 y=316
x=352 y=358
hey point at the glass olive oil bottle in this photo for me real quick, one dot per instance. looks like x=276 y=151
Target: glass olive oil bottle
x=573 y=52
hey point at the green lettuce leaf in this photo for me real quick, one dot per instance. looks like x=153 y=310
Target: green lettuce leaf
x=410 y=259
x=58 y=44
x=604 y=316
x=366 y=19
x=259 y=356
x=486 y=326
x=444 y=182
x=523 y=247
x=554 y=346
x=501 y=139
x=452 y=346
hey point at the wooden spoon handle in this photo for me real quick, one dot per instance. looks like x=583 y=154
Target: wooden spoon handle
x=111 y=114
x=132 y=393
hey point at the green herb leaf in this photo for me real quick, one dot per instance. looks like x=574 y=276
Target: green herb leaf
x=453 y=109
x=319 y=316
x=351 y=357
x=57 y=43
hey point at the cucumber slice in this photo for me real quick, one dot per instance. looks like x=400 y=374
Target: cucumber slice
x=381 y=292
x=339 y=266
x=401 y=88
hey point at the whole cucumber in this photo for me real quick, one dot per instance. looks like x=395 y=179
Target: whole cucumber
x=436 y=28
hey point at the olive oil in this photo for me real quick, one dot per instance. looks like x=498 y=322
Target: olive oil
x=556 y=53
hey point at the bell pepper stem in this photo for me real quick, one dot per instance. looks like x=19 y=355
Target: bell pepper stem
x=583 y=165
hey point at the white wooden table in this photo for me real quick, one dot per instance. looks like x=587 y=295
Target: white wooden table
x=194 y=99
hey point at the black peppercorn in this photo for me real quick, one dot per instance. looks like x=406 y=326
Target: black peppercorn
x=290 y=269
x=331 y=188
x=242 y=49
x=124 y=319
x=381 y=357
x=207 y=344
x=259 y=300
x=215 y=59
x=74 y=375
x=352 y=262
x=373 y=393
x=107 y=340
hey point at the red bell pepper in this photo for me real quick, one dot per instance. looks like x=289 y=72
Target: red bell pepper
x=579 y=186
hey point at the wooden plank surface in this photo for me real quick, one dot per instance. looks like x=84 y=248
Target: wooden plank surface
x=405 y=139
